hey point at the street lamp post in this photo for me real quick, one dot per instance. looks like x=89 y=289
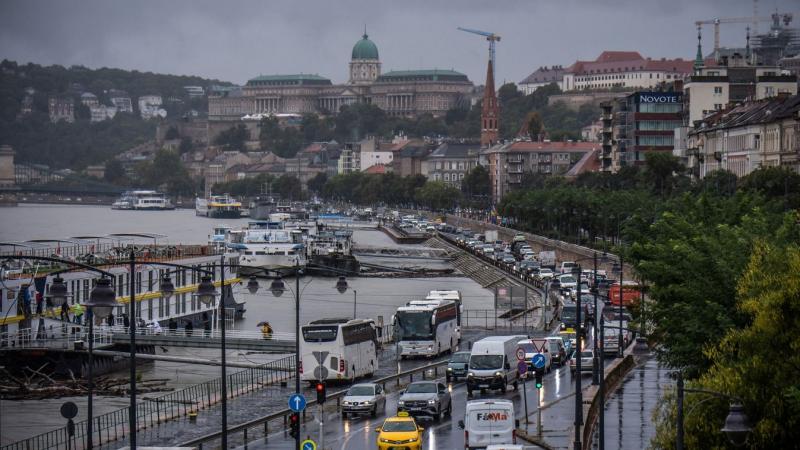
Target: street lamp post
x=101 y=300
x=736 y=428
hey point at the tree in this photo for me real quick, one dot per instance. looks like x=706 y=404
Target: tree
x=284 y=142
x=317 y=183
x=662 y=166
x=477 y=185
x=172 y=133
x=233 y=138
x=779 y=183
x=166 y=171
x=438 y=195
x=535 y=126
x=289 y=187
x=114 y=172
x=769 y=297
x=186 y=145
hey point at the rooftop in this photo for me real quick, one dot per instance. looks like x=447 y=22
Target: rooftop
x=448 y=150
x=297 y=79
x=423 y=75
x=614 y=61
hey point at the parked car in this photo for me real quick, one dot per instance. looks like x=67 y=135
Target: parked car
x=426 y=398
x=364 y=398
x=457 y=366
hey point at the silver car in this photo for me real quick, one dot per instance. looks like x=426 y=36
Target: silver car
x=426 y=398
x=364 y=398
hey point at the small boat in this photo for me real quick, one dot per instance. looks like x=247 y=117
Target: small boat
x=268 y=245
x=218 y=207
x=143 y=200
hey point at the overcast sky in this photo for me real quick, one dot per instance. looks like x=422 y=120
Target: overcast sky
x=235 y=40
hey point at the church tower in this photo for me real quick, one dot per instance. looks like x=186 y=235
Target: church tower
x=490 y=113
x=365 y=66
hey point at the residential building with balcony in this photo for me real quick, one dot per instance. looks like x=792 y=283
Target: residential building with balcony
x=61 y=108
x=508 y=162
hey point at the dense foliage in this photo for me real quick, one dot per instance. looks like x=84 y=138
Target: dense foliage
x=720 y=257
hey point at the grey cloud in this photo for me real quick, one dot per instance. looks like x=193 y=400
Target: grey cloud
x=235 y=40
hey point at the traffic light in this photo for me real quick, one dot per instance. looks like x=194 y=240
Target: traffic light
x=294 y=425
x=321 y=392
x=539 y=379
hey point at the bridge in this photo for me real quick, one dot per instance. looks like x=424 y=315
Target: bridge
x=234 y=339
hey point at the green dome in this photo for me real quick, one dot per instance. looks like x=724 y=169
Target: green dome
x=365 y=49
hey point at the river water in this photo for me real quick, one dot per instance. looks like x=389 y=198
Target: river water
x=374 y=297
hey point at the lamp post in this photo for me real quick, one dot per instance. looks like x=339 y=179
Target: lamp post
x=278 y=288
x=621 y=270
x=101 y=301
x=736 y=428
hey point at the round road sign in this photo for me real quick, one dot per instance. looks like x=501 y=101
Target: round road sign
x=69 y=410
x=538 y=361
x=522 y=367
x=520 y=353
x=308 y=444
x=297 y=402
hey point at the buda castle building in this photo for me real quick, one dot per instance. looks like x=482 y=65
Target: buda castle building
x=407 y=93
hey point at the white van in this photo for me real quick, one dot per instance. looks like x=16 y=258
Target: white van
x=488 y=422
x=493 y=364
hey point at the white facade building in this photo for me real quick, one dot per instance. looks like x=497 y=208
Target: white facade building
x=629 y=70
x=150 y=106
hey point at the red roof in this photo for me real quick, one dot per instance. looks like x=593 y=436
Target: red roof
x=313 y=148
x=377 y=168
x=611 y=62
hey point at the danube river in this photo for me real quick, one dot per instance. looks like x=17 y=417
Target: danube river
x=375 y=297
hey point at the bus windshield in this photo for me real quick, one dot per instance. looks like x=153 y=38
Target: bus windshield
x=320 y=333
x=414 y=325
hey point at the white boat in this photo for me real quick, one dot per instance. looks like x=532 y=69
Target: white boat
x=268 y=245
x=218 y=207
x=143 y=200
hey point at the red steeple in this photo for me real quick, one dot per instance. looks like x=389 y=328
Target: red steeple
x=490 y=114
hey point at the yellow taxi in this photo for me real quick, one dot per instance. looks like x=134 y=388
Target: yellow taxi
x=399 y=433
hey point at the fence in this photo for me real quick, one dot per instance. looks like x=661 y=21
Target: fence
x=259 y=428
x=114 y=425
x=61 y=337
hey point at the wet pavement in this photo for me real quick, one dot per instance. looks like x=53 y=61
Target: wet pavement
x=629 y=411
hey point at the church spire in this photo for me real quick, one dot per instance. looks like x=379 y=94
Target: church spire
x=698 y=60
x=490 y=112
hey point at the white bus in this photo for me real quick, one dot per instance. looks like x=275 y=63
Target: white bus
x=426 y=327
x=455 y=296
x=348 y=349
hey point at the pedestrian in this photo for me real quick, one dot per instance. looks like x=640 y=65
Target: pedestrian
x=188 y=328
x=39 y=303
x=206 y=324
x=25 y=292
x=266 y=330
x=125 y=321
x=172 y=325
x=65 y=312
x=77 y=313
x=110 y=320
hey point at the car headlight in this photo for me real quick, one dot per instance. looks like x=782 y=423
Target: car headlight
x=431 y=402
x=368 y=402
x=470 y=375
x=346 y=403
x=498 y=374
x=384 y=440
x=449 y=369
x=430 y=347
x=413 y=439
x=401 y=402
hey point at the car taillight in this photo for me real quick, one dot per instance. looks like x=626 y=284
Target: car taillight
x=514 y=436
x=301 y=367
x=341 y=365
x=466 y=439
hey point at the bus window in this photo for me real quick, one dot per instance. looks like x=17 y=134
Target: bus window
x=320 y=334
x=334 y=363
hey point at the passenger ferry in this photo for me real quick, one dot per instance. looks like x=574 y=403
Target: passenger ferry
x=268 y=245
x=218 y=207
x=143 y=200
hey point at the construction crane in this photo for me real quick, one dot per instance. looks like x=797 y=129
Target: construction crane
x=717 y=22
x=492 y=38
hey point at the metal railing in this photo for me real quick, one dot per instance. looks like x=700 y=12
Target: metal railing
x=202 y=333
x=260 y=428
x=61 y=337
x=152 y=411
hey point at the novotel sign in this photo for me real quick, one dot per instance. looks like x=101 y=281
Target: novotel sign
x=659 y=97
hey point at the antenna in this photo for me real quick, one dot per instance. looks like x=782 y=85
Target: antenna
x=755 y=17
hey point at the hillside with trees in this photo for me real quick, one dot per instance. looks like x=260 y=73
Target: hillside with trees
x=82 y=143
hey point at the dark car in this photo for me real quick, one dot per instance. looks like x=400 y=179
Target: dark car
x=457 y=366
x=558 y=353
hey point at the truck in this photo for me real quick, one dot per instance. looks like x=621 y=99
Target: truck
x=547 y=259
x=491 y=235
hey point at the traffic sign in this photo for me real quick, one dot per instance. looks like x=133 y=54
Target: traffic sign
x=308 y=444
x=297 y=402
x=522 y=367
x=538 y=361
x=520 y=353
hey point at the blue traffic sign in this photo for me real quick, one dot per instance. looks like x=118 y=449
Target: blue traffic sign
x=538 y=360
x=297 y=402
x=522 y=367
x=308 y=444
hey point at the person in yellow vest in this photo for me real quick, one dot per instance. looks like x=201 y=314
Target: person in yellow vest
x=77 y=313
